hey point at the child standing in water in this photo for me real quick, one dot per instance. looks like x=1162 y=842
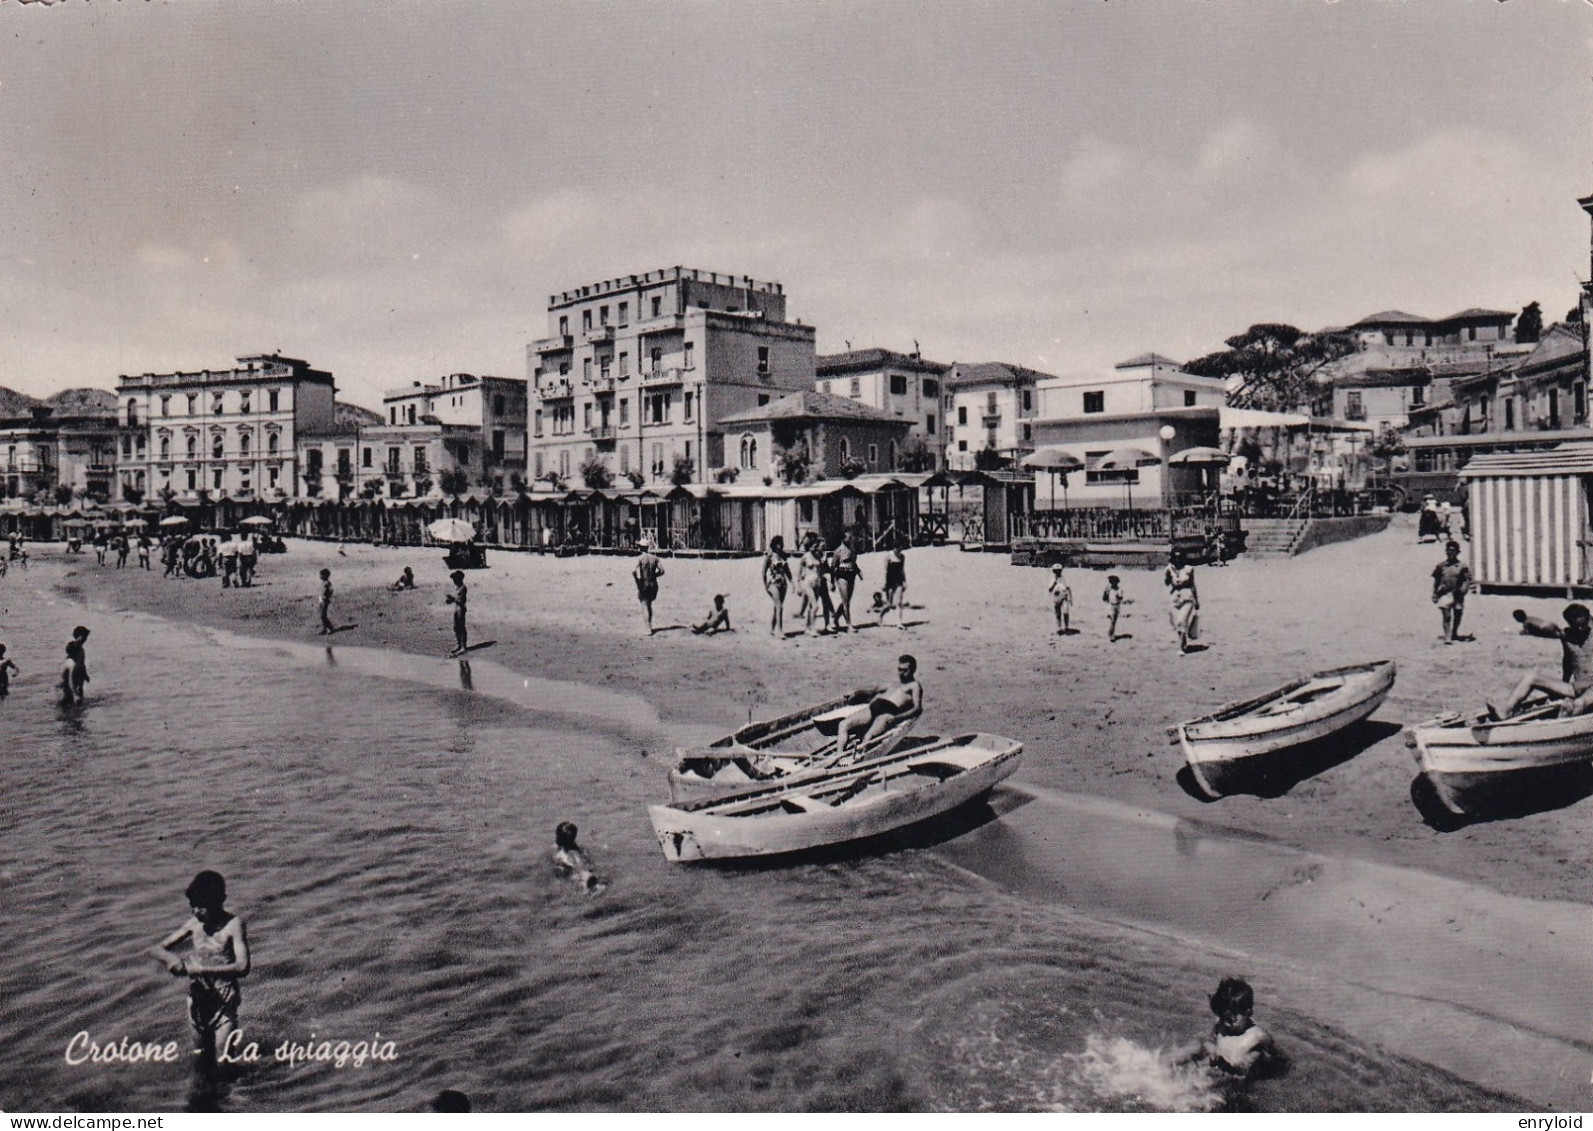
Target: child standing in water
x=326 y=603
x=218 y=956
x=1238 y=1048
x=570 y=861
x=74 y=674
x=7 y=670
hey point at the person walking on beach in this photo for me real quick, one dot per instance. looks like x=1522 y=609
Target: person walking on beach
x=776 y=580
x=810 y=583
x=120 y=543
x=1451 y=583
x=459 y=599
x=7 y=670
x=1576 y=664
x=229 y=561
x=248 y=552
x=1061 y=599
x=217 y=956
x=646 y=574
x=895 y=590
x=143 y=551
x=1115 y=599
x=326 y=603
x=844 y=569
x=1185 y=612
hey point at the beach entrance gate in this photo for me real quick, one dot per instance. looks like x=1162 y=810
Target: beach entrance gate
x=1530 y=520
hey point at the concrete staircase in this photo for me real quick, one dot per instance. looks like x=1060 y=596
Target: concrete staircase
x=1273 y=537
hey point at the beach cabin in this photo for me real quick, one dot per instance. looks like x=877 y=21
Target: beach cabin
x=981 y=508
x=1530 y=520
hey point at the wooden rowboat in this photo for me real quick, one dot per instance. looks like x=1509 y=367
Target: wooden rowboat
x=878 y=795
x=764 y=753
x=1477 y=763
x=1233 y=743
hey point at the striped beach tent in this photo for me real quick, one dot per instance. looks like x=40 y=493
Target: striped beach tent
x=1530 y=518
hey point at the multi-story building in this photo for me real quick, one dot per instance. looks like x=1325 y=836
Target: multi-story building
x=229 y=433
x=69 y=440
x=329 y=458
x=467 y=423
x=836 y=436
x=1147 y=404
x=902 y=385
x=990 y=408
x=637 y=372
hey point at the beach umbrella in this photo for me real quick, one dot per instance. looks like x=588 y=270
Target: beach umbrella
x=1058 y=461
x=451 y=530
x=1127 y=459
x=256 y=520
x=1200 y=457
x=174 y=520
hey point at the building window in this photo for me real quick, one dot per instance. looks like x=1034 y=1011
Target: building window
x=763 y=361
x=536 y=465
x=687 y=355
x=1471 y=333
x=962 y=445
x=931 y=387
x=586 y=320
x=271 y=443
x=216 y=404
x=625 y=364
x=990 y=401
x=658 y=461
x=365 y=457
x=564 y=369
x=658 y=306
x=243 y=402
x=1028 y=400
x=497 y=406
x=929 y=424
x=1028 y=433
x=602 y=315
x=1554 y=408
x=215 y=477
x=272 y=400
x=624 y=314
x=193 y=479
x=1189 y=398
x=395 y=457
x=345 y=466
x=1095 y=401
x=586 y=416
x=962 y=416
x=165 y=406
x=873 y=455
x=1418 y=397
x=892 y=451
x=846 y=449
x=215 y=447
x=193 y=403
x=586 y=370
x=165 y=447
x=749 y=453
x=686 y=405
x=655 y=358
x=420 y=460
x=564 y=325
x=271 y=477
x=1354 y=409
x=856 y=389
x=1579 y=402
x=536 y=422
x=605 y=366
x=564 y=464
x=898 y=384
x=243 y=445
x=625 y=411
x=392 y=414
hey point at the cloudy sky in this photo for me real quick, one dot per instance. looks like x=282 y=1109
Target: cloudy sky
x=391 y=191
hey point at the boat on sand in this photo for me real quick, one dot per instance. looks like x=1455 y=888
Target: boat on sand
x=1235 y=743
x=1477 y=763
x=877 y=795
x=765 y=753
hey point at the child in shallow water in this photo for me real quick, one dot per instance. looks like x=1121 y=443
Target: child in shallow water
x=217 y=956
x=570 y=861
x=1238 y=1048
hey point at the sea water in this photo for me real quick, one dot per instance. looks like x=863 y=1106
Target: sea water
x=385 y=826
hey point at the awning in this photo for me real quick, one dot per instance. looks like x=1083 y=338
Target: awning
x=1255 y=418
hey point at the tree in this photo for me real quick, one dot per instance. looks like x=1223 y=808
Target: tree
x=636 y=477
x=792 y=464
x=683 y=470
x=552 y=479
x=852 y=468
x=595 y=473
x=454 y=481
x=1388 y=443
x=132 y=494
x=1272 y=366
x=915 y=456
x=422 y=487
x=988 y=459
x=1529 y=324
x=373 y=487
x=63 y=494
x=726 y=474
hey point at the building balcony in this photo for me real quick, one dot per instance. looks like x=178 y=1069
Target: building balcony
x=602 y=432
x=600 y=334
x=602 y=385
x=664 y=377
x=553 y=344
x=991 y=420
x=558 y=387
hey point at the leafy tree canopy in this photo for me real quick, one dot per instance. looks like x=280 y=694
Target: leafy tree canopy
x=1275 y=365
x=1529 y=325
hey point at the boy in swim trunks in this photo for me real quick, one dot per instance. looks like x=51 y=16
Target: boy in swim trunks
x=717 y=620
x=218 y=956
x=570 y=861
x=7 y=670
x=886 y=707
x=1115 y=600
x=1238 y=1048
x=1061 y=599
x=1576 y=666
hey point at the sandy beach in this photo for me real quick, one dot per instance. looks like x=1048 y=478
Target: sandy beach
x=1092 y=713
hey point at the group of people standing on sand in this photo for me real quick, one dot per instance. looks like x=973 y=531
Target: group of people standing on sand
x=233 y=556
x=1184 y=599
x=826 y=582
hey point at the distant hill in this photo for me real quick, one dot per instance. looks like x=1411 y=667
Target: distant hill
x=83 y=402
x=351 y=416
x=13 y=403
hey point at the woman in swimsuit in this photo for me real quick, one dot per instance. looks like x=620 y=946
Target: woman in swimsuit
x=776 y=579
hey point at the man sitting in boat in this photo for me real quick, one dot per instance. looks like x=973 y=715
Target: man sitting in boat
x=1576 y=666
x=888 y=705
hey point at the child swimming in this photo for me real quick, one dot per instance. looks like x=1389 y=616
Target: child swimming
x=570 y=861
x=1238 y=1048
x=218 y=956
x=7 y=670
